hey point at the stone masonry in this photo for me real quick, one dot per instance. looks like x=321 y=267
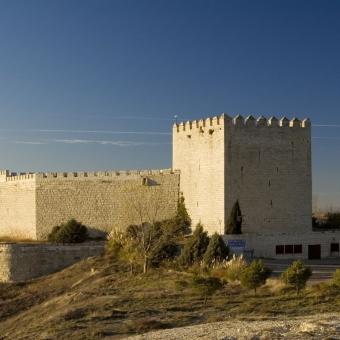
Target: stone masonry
x=25 y=261
x=31 y=204
x=265 y=164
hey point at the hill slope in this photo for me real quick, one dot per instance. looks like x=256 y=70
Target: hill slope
x=98 y=298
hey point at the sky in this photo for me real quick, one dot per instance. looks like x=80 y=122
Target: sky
x=94 y=85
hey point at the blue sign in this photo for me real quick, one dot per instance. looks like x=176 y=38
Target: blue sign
x=239 y=244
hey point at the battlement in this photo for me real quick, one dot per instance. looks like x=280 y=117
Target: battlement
x=13 y=176
x=239 y=122
x=104 y=174
x=21 y=177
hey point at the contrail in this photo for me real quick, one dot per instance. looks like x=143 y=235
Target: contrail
x=120 y=143
x=336 y=138
x=111 y=132
x=327 y=125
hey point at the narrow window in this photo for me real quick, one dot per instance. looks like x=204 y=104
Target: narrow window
x=269 y=184
x=242 y=168
x=289 y=249
x=277 y=170
x=280 y=249
x=271 y=203
x=334 y=247
x=297 y=248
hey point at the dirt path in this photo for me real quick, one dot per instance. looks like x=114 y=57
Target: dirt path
x=326 y=326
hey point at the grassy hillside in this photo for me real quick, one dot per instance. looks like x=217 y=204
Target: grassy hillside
x=98 y=297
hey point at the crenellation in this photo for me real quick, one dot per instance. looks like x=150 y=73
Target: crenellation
x=261 y=121
x=284 y=122
x=306 y=123
x=250 y=121
x=295 y=123
x=273 y=122
x=238 y=121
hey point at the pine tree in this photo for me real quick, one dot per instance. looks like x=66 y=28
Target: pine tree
x=297 y=275
x=255 y=275
x=217 y=250
x=234 y=222
x=195 y=247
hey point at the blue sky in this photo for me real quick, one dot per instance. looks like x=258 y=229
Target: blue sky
x=72 y=70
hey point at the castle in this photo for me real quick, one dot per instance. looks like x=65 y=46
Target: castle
x=263 y=164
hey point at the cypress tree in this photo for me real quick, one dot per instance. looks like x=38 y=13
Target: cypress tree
x=234 y=222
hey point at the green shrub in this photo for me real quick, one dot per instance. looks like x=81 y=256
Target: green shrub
x=297 y=275
x=166 y=250
x=230 y=270
x=195 y=247
x=336 y=278
x=70 y=232
x=205 y=286
x=234 y=223
x=217 y=251
x=254 y=275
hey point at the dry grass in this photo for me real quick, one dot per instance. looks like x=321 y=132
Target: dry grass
x=17 y=239
x=98 y=297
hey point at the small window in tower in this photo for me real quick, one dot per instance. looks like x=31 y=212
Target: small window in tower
x=289 y=249
x=297 y=248
x=335 y=247
x=242 y=168
x=277 y=170
x=271 y=203
x=269 y=183
x=280 y=249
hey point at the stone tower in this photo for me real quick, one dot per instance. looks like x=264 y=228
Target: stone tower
x=265 y=164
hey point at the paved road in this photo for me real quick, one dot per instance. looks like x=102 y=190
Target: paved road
x=322 y=269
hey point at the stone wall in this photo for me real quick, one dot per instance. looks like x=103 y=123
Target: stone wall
x=264 y=245
x=268 y=169
x=198 y=152
x=106 y=200
x=32 y=204
x=17 y=206
x=265 y=164
x=25 y=261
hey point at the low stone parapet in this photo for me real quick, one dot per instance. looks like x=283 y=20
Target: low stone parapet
x=24 y=261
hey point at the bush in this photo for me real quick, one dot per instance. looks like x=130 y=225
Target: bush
x=195 y=247
x=234 y=223
x=254 y=275
x=230 y=270
x=206 y=286
x=115 y=242
x=217 y=251
x=166 y=250
x=336 y=278
x=71 y=232
x=297 y=275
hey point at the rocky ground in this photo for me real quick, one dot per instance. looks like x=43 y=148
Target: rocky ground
x=325 y=326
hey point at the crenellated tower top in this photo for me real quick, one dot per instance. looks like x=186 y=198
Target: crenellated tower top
x=240 y=122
